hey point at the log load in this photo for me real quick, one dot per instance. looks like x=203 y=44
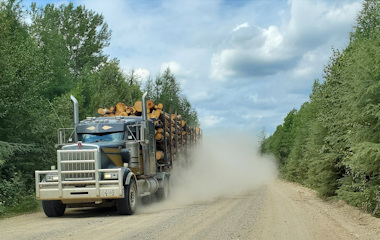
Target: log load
x=138 y=106
x=159 y=155
x=150 y=104
x=121 y=107
x=172 y=133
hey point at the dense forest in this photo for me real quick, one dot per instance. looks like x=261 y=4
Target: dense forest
x=58 y=53
x=332 y=143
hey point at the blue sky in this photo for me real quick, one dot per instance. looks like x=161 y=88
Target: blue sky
x=242 y=64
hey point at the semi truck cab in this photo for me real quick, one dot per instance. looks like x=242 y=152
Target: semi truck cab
x=111 y=161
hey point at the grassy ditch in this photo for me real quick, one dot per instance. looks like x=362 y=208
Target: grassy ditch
x=27 y=204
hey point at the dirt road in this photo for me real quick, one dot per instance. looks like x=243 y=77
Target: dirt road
x=279 y=210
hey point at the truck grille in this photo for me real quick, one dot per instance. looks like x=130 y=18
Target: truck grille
x=77 y=164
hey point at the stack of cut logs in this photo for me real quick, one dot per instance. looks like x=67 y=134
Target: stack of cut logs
x=154 y=111
x=171 y=131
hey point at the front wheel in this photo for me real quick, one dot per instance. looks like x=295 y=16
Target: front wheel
x=53 y=208
x=127 y=205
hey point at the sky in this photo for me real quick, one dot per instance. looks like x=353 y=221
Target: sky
x=242 y=64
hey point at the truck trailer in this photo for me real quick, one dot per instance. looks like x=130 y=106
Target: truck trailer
x=109 y=161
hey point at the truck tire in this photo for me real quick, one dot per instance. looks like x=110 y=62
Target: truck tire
x=163 y=193
x=53 y=208
x=127 y=205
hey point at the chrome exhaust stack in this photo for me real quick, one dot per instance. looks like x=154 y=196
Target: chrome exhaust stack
x=144 y=123
x=76 y=115
x=145 y=112
x=145 y=138
x=76 y=110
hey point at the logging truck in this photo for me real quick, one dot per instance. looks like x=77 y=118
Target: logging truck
x=114 y=159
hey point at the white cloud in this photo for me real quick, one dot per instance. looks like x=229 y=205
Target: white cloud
x=243 y=25
x=255 y=98
x=219 y=71
x=200 y=95
x=142 y=73
x=180 y=74
x=175 y=67
x=267 y=51
x=260 y=52
x=273 y=41
x=209 y=121
x=314 y=23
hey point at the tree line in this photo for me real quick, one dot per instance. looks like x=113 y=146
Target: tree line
x=59 y=52
x=332 y=143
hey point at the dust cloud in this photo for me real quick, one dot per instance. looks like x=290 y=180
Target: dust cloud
x=223 y=163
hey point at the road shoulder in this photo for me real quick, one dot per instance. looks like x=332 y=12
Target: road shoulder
x=292 y=211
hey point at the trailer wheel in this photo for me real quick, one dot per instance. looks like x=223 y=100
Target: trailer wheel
x=53 y=208
x=163 y=193
x=127 y=205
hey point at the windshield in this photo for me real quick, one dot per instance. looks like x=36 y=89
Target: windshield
x=104 y=137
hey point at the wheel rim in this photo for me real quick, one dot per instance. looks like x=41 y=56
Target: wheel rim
x=132 y=197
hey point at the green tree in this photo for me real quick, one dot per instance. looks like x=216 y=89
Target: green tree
x=72 y=39
x=336 y=140
x=166 y=89
x=296 y=168
x=50 y=39
x=329 y=132
x=281 y=142
x=23 y=77
x=367 y=21
x=360 y=185
x=111 y=86
x=262 y=137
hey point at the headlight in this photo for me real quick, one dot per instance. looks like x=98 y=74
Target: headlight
x=110 y=176
x=51 y=178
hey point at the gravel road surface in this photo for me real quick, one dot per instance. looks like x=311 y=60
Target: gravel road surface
x=278 y=210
